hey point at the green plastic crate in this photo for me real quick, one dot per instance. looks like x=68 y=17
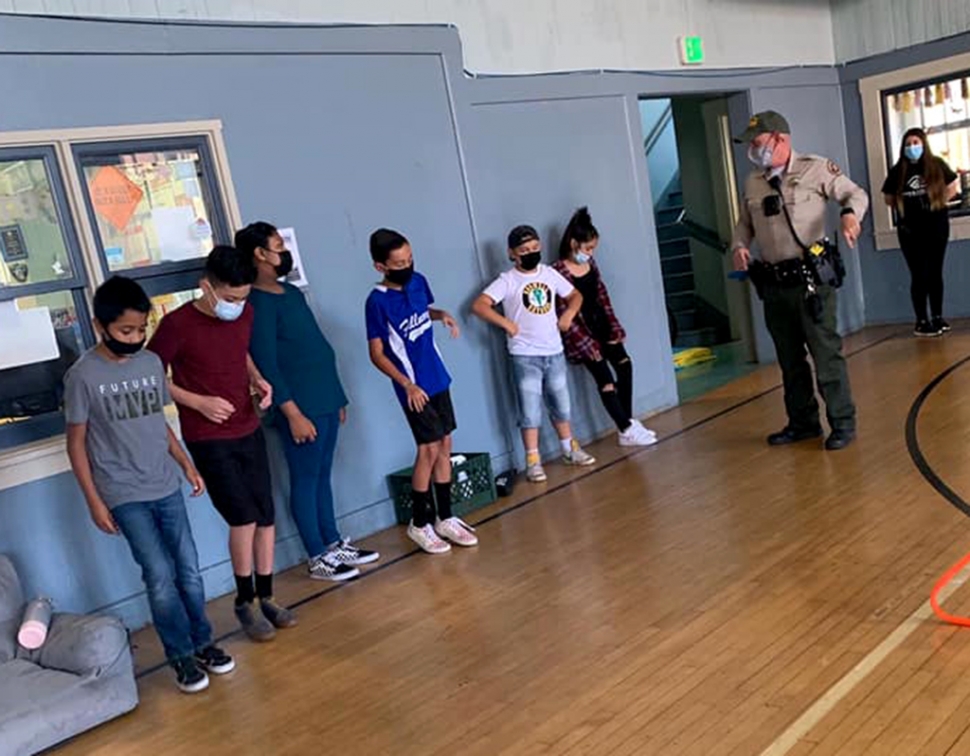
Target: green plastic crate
x=472 y=487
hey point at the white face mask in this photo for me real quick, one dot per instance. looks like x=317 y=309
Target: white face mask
x=763 y=156
x=227 y=311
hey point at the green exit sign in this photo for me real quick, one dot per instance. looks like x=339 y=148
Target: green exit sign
x=691 y=51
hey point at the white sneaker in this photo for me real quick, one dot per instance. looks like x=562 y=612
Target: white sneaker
x=578 y=458
x=637 y=435
x=457 y=531
x=428 y=540
x=535 y=474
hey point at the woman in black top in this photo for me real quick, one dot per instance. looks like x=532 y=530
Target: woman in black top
x=918 y=189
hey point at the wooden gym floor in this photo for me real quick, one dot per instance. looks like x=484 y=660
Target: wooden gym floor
x=707 y=596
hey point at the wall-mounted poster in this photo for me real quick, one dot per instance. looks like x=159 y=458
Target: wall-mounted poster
x=297 y=276
x=13 y=248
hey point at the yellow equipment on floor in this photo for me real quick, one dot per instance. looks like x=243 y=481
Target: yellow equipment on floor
x=694 y=356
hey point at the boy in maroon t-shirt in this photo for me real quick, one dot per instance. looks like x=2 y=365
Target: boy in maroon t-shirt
x=206 y=343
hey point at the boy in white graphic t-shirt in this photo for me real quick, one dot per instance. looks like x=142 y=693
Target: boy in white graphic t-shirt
x=528 y=294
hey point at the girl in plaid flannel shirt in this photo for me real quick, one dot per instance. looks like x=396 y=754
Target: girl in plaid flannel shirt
x=596 y=337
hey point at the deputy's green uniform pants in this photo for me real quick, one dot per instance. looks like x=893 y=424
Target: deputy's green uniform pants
x=796 y=335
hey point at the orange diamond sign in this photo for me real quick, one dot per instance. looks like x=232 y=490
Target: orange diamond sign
x=115 y=196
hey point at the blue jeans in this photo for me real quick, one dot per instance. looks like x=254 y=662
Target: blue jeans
x=161 y=542
x=311 y=491
x=538 y=377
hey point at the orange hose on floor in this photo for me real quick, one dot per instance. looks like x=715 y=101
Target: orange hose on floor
x=940 y=585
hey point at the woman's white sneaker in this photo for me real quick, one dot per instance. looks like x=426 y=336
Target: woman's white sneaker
x=428 y=540
x=637 y=435
x=457 y=531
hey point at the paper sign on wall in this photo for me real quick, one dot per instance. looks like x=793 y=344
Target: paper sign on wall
x=175 y=228
x=297 y=276
x=26 y=336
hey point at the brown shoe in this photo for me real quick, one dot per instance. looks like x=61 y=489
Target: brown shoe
x=279 y=616
x=254 y=624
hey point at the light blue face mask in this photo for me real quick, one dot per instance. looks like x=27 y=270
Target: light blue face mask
x=582 y=258
x=228 y=311
x=763 y=156
x=914 y=151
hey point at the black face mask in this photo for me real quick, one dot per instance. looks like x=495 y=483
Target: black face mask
x=286 y=263
x=530 y=261
x=400 y=277
x=122 y=348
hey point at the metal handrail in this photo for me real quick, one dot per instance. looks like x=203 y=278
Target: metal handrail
x=658 y=128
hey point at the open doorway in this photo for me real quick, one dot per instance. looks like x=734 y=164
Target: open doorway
x=690 y=158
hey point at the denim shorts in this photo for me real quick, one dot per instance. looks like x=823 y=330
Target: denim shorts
x=537 y=378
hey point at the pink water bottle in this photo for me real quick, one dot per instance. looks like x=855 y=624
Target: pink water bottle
x=37 y=619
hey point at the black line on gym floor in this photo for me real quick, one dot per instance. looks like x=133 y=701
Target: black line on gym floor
x=532 y=499
x=912 y=441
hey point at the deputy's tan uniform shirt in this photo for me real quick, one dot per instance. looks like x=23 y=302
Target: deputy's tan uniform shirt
x=807 y=185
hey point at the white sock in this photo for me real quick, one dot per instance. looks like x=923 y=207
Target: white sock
x=566 y=444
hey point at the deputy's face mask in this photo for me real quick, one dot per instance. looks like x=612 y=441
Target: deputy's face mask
x=762 y=156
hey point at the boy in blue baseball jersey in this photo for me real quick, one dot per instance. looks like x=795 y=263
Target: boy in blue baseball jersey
x=400 y=322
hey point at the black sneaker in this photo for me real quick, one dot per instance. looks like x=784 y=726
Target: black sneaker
x=188 y=676
x=925 y=329
x=793 y=436
x=839 y=440
x=346 y=553
x=213 y=659
x=940 y=325
x=328 y=567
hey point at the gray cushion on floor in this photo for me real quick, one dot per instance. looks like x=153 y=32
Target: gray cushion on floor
x=81 y=677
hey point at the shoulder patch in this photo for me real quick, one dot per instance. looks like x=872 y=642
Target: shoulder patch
x=833 y=168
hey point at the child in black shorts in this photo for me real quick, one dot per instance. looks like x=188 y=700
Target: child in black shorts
x=206 y=343
x=400 y=323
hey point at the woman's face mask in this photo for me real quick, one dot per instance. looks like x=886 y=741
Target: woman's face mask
x=914 y=151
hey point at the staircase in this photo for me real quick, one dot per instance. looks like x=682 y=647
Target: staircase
x=676 y=263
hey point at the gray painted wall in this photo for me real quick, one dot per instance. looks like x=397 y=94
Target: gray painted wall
x=511 y=36
x=884 y=273
x=863 y=28
x=333 y=144
x=337 y=131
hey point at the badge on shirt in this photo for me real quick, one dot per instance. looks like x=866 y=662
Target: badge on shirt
x=537 y=298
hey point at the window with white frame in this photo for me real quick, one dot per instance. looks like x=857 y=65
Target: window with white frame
x=934 y=96
x=76 y=208
x=941 y=108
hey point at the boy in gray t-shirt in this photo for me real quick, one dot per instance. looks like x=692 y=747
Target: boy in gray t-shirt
x=126 y=460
